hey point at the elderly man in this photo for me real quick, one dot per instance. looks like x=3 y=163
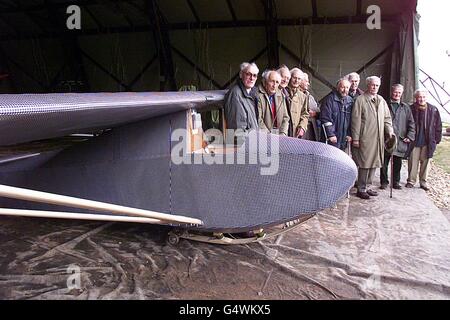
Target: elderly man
x=312 y=132
x=285 y=77
x=371 y=121
x=297 y=105
x=428 y=136
x=239 y=102
x=354 y=91
x=336 y=114
x=404 y=129
x=272 y=111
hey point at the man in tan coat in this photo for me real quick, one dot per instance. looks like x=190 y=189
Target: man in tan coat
x=272 y=112
x=371 y=122
x=313 y=132
x=297 y=106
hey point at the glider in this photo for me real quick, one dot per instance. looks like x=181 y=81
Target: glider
x=145 y=158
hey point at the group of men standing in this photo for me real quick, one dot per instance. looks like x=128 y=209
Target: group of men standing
x=375 y=130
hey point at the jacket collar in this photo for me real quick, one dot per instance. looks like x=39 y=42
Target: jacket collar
x=401 y=104
x=244 y=90
x=277 y=96
x=337 y=97
x=291 y=91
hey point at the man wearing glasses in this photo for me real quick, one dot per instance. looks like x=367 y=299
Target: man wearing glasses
x=240 y=102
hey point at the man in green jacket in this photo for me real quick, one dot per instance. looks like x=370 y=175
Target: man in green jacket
x=239 y=102
x=405 y=130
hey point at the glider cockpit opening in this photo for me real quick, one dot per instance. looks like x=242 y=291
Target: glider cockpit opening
x=208 y=132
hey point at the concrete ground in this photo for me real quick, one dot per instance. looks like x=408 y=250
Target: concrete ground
x=382 y=248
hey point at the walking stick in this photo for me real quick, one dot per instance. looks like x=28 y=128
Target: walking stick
x=392 y=173
x=349 y=154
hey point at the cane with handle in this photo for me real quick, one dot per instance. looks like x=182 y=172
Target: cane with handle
x=392 y=172
x=348 y=149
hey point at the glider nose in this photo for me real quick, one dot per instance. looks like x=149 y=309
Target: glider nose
x=318 y=174
x=270 y=180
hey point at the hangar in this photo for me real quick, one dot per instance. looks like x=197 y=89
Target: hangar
x=165 y=45
x=354 y=251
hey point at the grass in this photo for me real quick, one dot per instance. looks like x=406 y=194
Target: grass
x=442 y=155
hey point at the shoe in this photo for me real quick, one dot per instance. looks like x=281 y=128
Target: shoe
x=363 y=195
x=383 y=186
x=409 y=185
x=397 y=186
x=372 y=193
x=259 y=233
x=424 y=187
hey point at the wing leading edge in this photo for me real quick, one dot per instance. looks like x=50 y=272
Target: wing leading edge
x=30 y=117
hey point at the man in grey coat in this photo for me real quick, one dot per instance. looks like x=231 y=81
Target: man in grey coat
x=405 y=130
x=240 y=102
x=371 y=122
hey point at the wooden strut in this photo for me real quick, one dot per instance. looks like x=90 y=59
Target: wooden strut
x=77 y=216
x=51 y=198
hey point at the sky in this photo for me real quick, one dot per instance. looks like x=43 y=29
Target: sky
x=434 y=45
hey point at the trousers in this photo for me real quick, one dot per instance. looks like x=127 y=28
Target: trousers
x=418 y=158
x=397 y=167
x=365 y=178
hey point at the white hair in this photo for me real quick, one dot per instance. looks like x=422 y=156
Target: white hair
x=352 y=75
x=245 y=66
x=297 y=70
x=266 y=74
x=283 y=68
x=303 y=75
x=342 y=80
x=372 y=79
x=419 y=91
x=397 y=85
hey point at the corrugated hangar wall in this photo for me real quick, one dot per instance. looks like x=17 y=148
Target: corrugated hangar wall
x=119 y=46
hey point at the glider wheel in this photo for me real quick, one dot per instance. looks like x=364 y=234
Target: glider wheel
x=173 y=239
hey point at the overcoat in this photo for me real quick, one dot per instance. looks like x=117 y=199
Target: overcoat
x=404 y=127
x=265 y=119
x=371 y=121
x=298 y=111
x=335 y=116
x=240 y=108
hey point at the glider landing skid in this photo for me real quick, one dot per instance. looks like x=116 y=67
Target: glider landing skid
x=174 y=236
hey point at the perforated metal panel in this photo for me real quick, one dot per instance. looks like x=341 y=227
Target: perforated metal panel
x=121 y=168
x=28 y=117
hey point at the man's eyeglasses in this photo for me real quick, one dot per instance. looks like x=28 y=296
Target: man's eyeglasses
x=249 y=74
